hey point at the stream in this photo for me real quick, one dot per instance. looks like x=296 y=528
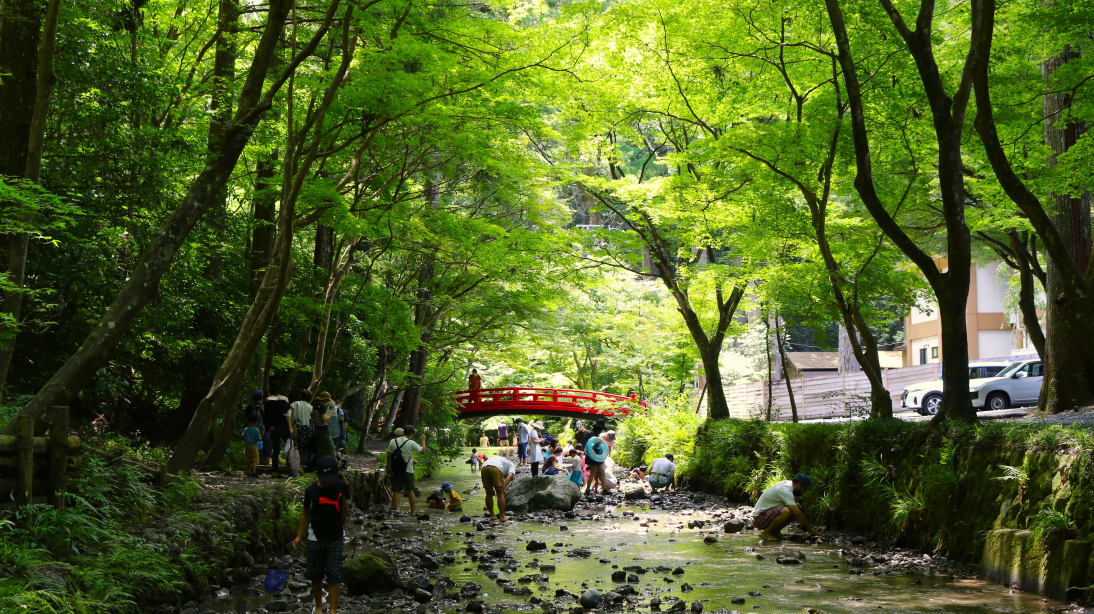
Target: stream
x=731 y=572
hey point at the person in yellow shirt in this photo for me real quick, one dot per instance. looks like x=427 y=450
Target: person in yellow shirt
x=436 y=500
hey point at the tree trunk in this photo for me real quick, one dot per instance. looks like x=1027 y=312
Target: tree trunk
x=785 y=370
x=847 y=361
x=265 y=218
x=334 y=284
x=1069 y=377
x=225 y=388
x=32 y=151
x=143 y=285
x=1027 y=291
x=389 y=424
x=220 y=107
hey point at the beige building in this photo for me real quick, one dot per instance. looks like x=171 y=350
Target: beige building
x=990 y=328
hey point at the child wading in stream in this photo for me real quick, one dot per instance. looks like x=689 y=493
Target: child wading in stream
x=326 y=505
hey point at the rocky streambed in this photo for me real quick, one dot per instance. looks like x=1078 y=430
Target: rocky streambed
x=678 y=552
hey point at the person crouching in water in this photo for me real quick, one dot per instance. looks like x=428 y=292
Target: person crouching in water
x=778 y=506
x=437 y=501
x=323 y=521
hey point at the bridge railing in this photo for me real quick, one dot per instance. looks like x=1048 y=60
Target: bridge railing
x=486 y=399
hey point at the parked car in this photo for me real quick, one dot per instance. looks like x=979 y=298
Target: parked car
x=925 y=397
x=1018 y=384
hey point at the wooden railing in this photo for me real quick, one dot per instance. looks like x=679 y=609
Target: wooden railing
x=528 y=400
x=30 y=464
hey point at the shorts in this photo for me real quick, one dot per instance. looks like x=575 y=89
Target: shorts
x=522 y=450
x=492 y=477
x=763 y=520
x=659 y=480
x=324 y=561
x=402 y=483
x=251 y=454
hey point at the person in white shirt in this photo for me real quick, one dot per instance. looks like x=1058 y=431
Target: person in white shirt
x=778 y=505
x=400 y=467
x=497 y=473
x=662 y=473
x=535 y=450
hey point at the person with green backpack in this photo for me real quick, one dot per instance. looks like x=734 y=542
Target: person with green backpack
x=400 y=466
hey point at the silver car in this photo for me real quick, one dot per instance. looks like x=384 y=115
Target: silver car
x=926 y=397
x=1019 y=384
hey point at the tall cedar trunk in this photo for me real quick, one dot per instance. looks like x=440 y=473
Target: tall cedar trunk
x=224 y=391
x=951 y=287
x=423 y=319
x=220 y=108
x=785 y=371
x=34 y=95
x=1062 y=226
x=143 y=285
x=1069 y=377
x=220 y=105
x=264 y=220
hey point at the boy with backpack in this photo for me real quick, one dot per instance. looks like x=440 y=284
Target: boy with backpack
x=400 y=467
x=323 y=521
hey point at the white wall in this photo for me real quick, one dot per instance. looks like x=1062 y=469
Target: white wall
x=918 y=316
x=926 y=342
x=994 y=343
x=989 y=292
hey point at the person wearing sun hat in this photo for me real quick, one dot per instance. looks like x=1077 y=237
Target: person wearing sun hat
x=323 y=522
x=535 y=450
x=400 y=466
x=778 y=506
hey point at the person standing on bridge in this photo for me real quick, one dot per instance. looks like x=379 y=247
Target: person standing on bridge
x=474 y=384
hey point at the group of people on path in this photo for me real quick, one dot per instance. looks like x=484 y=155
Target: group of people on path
x=315 y=427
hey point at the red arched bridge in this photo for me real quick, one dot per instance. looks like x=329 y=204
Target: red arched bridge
x=487 y=402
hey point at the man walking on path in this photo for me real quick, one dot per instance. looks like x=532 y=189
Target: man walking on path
x=503 y=439
x=497 y=474
x=523 y=432
x=275 y=413
x=663 y=473
x=323 y=521
x=778 y=506
x=400 y=467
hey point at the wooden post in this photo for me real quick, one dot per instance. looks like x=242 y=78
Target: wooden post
x=58 y=456
x=24 y=460
x=163 y=475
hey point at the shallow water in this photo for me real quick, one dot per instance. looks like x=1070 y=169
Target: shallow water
x=718 y=572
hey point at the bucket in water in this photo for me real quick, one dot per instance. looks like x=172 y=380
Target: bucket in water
x=276 y=580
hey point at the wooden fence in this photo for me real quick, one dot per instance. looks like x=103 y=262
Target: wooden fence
x=823 y=396
x=30 y=465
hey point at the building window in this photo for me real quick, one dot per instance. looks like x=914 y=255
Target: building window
x=922 y=356
x=934 y=352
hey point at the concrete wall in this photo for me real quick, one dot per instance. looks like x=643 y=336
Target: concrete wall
x=1047 y=567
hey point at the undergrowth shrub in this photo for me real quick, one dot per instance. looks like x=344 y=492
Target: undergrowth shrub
x=654 y=431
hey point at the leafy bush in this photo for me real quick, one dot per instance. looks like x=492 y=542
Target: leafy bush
x=658 y=430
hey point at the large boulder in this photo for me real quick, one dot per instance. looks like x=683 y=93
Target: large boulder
x=544 y=492
x=371 y=573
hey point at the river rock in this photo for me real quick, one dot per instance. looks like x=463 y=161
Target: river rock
x=710 y=539
x=373 y=572
x=679 y=571
x=737 y=600
x=473 y=606
x=544 y=492
x=535 y=546
x=679 y=606
x=697 y=607
x=634 y=495
x=619 y=576
x=422 y=596
x=590 y=599
x=787 y=560
x=239 y=576
x=613 y=598
x=277 y=605
x=547 y=568
x=655 y=604
x=465 y=518
x=735 y=525
x=858 y=540
x=632 y=578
